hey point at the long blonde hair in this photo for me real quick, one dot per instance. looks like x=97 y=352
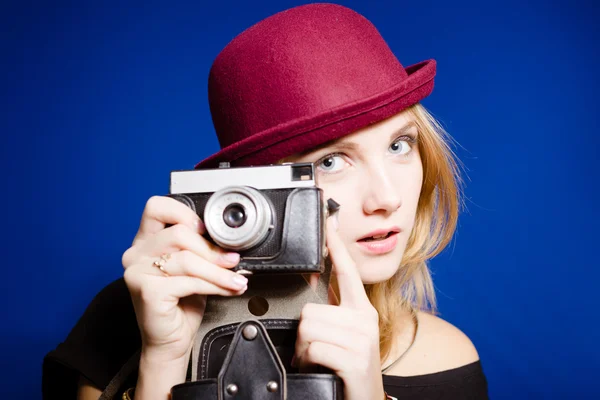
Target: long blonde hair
x=411 y=288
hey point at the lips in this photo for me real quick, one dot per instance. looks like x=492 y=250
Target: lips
x=374 y=239
x=379 y=242
x=380 y=234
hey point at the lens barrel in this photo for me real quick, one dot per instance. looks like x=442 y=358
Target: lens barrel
x=238 y=217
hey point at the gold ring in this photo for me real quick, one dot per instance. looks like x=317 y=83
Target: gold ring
x=160 y=263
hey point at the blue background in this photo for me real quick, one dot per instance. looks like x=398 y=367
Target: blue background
x=101 y=100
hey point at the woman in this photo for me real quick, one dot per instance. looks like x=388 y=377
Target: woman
x=318 y=84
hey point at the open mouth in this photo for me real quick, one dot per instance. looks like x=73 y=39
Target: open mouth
x=377 y=238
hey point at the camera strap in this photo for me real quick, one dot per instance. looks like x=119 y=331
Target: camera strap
x=269 y=296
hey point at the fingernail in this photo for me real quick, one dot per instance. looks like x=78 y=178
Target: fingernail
x=240 y=281
x=231 y=258
x=333 y=205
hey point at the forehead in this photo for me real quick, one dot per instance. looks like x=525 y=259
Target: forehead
x=396 y=124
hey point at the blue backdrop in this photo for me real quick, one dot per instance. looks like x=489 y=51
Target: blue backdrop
x=100 y=101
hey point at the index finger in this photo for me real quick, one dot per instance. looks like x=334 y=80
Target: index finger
x=352 y=290
x=163 y=210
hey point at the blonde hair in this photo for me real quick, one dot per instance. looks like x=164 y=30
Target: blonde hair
x=411 y=288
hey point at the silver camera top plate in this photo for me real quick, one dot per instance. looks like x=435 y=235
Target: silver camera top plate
x=287 y=175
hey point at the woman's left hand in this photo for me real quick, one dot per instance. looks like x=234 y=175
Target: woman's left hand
x=343 y=337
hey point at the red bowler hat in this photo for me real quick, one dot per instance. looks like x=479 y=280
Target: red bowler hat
x=303 y=77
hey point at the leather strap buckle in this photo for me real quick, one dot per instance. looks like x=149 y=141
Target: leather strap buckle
x=252 y=368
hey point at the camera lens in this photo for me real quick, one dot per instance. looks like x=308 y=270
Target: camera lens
x=238 y=217
x=234 y=215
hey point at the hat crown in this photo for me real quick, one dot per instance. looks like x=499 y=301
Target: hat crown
x=295 y=65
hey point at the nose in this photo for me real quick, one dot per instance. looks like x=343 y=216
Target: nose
x=382 y=192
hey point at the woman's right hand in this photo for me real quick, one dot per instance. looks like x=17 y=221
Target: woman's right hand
x=169 y=307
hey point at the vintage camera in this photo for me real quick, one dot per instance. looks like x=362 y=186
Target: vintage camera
x=272 y=215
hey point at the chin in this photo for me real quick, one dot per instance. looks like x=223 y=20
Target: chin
x=377 y=269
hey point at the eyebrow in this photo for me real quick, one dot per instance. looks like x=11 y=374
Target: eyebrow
x=341 y=144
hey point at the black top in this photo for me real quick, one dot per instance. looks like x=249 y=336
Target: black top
x=466 y=382
x=107 y=336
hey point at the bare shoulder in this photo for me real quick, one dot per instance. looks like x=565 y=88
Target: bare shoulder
x=438 y=346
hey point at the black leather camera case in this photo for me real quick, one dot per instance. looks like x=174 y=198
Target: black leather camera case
x=296 y=242
x=251 y=361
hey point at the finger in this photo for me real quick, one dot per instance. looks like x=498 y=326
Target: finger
x=317 y=331
x=326 y=354
x=186 y=263
x=150 y=288
x=313 y=280
x=162 y=210
x=182 y=286
x=352 y=291
x=181 y=237
x=343 y=317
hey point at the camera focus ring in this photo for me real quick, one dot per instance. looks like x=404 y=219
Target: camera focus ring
x=238 y=217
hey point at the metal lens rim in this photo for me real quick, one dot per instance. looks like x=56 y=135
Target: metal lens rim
x=261 y=226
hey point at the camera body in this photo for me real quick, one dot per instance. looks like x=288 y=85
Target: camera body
x=273 y=216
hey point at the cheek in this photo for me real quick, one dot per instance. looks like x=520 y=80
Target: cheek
x=413 y=186
x=346 y=195
x=341 y=193
x=411 y=195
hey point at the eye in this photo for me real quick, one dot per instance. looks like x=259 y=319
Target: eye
x=402 y=146
x=330 y=163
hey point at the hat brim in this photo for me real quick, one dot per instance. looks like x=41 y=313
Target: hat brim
x=273 y=144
